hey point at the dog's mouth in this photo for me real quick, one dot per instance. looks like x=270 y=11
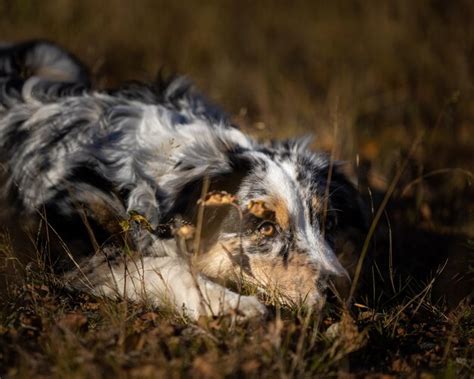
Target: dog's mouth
x=291 y=284
x=295 y=282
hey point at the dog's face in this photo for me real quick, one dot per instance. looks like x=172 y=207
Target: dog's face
x=278 y=233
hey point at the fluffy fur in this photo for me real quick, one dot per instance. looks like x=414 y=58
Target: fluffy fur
x=111 y=179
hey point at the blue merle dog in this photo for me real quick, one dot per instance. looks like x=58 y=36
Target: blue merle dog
x=149 y=191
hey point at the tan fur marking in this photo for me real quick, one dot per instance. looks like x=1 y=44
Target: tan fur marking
x=317 y=204
x=282 y=215
x=293 y=282
x=216 y=263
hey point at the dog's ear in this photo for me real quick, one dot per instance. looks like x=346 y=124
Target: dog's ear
x=180 y=92
x=350 y=208
x=297 y=145
x=183 y=187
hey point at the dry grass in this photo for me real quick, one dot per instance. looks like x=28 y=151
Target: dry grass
x=46 y=332
x=386 y=74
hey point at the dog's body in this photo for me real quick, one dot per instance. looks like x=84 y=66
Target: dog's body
x=114 y=178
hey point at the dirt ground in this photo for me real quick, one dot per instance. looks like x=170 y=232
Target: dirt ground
x=386 y=87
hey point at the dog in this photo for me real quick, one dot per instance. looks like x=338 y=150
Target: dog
x=149 y=192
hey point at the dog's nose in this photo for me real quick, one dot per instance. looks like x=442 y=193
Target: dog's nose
x=332 y=267
x=322 y=254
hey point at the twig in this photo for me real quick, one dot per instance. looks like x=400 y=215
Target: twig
x=422 y=294
x=390 y=252
x=200 y=216
x=434 y=173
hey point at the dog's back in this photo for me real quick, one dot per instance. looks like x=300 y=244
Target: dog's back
x=79 y=160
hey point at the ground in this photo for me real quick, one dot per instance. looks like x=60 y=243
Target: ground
x=385 y=87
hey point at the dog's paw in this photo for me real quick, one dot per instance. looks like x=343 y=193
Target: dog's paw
x=250 y=306
x=142 y=206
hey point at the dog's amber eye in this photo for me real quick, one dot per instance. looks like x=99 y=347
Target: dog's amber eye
x=267 y=229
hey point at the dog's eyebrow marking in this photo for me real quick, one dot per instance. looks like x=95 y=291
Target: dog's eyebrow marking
x=282 y=215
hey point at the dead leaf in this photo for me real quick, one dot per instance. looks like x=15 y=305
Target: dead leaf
x=400 y=365
x=73 y=321
x=135 y=217
x=217 y=198
x=258 y=208
x=202 y=368
x=186 y=232
x=250 y=366
x=149 y=316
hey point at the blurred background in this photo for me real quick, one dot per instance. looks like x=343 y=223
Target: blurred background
x=366 y=78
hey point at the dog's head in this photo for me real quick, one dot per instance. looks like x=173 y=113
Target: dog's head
x=277 y=226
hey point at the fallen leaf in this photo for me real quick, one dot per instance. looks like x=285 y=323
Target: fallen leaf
x=217 y=198
x=72 y=321
x=186 y=232
x=259 y=208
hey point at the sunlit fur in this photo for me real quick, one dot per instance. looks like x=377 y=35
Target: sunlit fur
x=82 y=161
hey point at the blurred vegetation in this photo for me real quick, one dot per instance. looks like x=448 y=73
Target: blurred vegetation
x=367 y=79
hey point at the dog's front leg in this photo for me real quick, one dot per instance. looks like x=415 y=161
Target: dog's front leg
x=169 y=281
x=142 y=200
